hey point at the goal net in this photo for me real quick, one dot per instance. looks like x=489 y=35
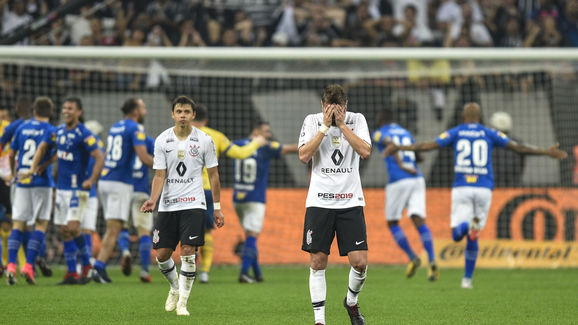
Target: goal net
x=531 y=95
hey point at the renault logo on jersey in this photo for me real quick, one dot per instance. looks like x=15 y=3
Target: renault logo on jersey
x=181 y=169
x=337 y=157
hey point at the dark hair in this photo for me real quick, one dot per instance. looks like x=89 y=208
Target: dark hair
x=258 y=124
x=334 y=94
x=43 y=107
x=411 y=7
x=385 y=116
x=201 y=112
x=129 y=106
x=183 y=100
x=75 y=100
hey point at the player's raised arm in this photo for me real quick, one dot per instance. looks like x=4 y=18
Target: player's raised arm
x=216 y=191
x=552 y=152
x=243 y=152
x=362 y=148
x=289 y=148
x=311 y=138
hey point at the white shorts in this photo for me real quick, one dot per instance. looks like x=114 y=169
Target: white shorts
x=251 y=215
x=67 y=209
x=140 y=219
x=115 y=197
x=469 y=202
x=90 y=214
x=31 y=203
x=410 y=193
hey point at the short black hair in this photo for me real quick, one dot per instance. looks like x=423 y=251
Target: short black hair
x=258 y=124
x=129 y=105
x=75 y=100
x=43 y=107
x=201 y=112
x=183 y=100
x=385 y=116
x=334 y=94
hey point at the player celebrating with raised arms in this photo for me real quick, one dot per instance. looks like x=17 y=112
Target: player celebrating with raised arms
x=180 y=154
x=335 y=140
x=472 y=143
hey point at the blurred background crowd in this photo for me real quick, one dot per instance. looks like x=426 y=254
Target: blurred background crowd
x=295 y=23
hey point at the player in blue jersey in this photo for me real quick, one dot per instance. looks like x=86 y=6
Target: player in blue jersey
x=88 y=224
x=473 y=177
x=251 y=176
x=32 y=202
x=125 y=141
x=142 y=221
x=405 y=189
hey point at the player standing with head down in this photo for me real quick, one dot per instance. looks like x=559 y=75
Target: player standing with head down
x=335 y=140
x=180 y=153
x=472 y=143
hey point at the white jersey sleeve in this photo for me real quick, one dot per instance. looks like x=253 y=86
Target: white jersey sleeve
x=361 y=129
x=308 y=130
x=210 y=156
x=159 y=158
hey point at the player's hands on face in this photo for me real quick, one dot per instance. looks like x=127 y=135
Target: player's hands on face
x=219 y=218
x=390 y=150
x=261 y=140
x=87 y=184
x=339 y=113
x=556 y=153
x=148 y=206
x=328 y=114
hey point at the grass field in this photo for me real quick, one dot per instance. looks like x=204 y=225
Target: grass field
x=498 y=297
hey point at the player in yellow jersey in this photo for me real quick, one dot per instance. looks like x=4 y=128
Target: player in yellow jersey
x=5 y=226
x=223 y=146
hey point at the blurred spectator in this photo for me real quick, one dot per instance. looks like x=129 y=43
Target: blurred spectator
x=512 y=36
x=508 y=165
x=411 y=31
x=58 y=34
x=503 y=14
x=244 y=29
x=381 y=32
x=319 y=30
x=230 y=38
x=569 y=24
x=355 y=32
x=543 y=34
x=189 y=35
x=158 y=37
x=14 y=16
x=473 y=24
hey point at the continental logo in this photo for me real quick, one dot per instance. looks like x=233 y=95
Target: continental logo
x=507 y=253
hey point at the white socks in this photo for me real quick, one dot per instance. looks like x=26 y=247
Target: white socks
x=356 y=281
x=188 y=268
x=169 y=271
x=318 y=290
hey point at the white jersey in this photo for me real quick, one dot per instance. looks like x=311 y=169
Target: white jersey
x=335 y=181
x=184 y=161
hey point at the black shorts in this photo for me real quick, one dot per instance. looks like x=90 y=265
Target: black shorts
x=322 y=224
x=186 y=226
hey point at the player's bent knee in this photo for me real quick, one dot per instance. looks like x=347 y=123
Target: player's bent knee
x=163 y=254
x=187 y=250
x=392 y=223
x=417 y=220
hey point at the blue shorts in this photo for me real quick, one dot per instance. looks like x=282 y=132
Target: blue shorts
x=209 y=218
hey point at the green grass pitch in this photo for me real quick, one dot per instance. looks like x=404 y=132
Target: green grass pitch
x=498 y=297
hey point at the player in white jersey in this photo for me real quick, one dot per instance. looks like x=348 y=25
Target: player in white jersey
x=180 y=153
x=335 y=140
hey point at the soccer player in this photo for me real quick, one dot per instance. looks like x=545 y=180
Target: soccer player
x=125 y=141
x=75 y=145
x=181 y=153
x=335 y=140
x=33 y=195
x=405 y=189
x=223 y=146
x=472 y=143
x=249 y=194
x=141 y=220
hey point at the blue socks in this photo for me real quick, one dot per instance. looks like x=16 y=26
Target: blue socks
x=88 y=241
x=471 y=255
x=99 y=265
x=460 y=231
x=401 y=240
x=83 y=252
x=427 y=240
x=249 y=254
x=144 y=248
x=70 y=250
x=14 y=242
x=34 y=246
x=124 y=240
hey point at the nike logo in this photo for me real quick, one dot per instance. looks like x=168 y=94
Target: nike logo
x=359 y=242
x=169 y=150
x=192 y=237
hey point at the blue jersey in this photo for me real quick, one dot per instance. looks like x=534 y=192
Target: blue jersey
x=141 y=171
x=399 y=136
x=473 y=144
x=123 y=136
x=73 y=150
x=9 y=131
x=25 y=141
x=251 y=174
x=91 y=166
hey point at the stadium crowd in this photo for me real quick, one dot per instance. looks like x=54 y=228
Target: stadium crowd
x=326 y=23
